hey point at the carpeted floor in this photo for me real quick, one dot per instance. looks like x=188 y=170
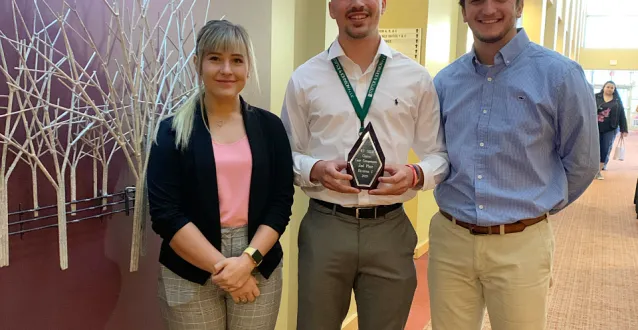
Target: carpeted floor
x=596 y=258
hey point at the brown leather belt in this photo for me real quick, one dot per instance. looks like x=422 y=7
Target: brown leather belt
x=515 y=227
x=370 y=212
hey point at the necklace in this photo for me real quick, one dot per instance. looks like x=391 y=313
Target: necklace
x=219 y=123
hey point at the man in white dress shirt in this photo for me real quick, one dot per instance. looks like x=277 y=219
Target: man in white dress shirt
x=353 y=239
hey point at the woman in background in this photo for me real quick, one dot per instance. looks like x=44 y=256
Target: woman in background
x=611 y=116
x=220 y=183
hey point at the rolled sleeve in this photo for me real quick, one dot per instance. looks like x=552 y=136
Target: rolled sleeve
x=164 y=184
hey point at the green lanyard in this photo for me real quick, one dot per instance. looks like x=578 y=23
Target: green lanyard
x=362 y=112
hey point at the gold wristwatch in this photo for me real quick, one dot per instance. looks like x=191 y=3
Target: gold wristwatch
x=254 y=254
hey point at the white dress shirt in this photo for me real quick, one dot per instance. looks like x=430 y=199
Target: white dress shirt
x=323 y=125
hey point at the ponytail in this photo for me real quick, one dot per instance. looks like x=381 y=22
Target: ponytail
x=183 y=120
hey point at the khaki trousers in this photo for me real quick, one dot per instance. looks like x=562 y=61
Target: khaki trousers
x=509 y=274
x=373 y=257
x=186 y=305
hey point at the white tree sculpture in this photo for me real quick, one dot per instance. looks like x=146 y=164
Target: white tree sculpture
x=6 y=169
x=103 y=149
x=122 y=91
x=10 y=144
x=35 y=147
x=78 y=153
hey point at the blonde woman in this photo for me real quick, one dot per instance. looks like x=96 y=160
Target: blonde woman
x=220 y=185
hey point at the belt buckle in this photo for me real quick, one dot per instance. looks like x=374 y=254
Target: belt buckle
x=356 y=211
x=475 y=232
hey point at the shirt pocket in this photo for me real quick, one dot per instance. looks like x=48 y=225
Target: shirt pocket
x=527 y=114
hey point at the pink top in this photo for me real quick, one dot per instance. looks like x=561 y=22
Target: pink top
x=233 y=164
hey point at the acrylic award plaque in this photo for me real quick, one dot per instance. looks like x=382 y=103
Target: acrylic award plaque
x=366 y=160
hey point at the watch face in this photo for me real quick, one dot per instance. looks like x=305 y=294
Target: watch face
x=257 y=256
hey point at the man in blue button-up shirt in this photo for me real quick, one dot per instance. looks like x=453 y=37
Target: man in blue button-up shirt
x=521 y=132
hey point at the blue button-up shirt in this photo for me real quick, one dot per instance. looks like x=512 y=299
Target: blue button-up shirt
x=522 y=135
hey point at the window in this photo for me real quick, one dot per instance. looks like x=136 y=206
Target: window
x=611 y=24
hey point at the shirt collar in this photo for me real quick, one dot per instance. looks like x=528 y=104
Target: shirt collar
x=335 y=50
x=509 y=52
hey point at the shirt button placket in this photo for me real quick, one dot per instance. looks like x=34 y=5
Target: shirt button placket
x=486 y=98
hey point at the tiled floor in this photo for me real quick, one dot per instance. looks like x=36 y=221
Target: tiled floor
x=420 y=312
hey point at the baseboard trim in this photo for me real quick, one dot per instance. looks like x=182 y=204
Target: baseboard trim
x=421 y=249
x=351 y=323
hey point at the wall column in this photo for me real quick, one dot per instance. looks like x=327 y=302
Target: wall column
x=582 y=16
x=461 y=36
x=560 y=34
x=571 y=14
x=551 y=25
x=259 y=27
x=281 y=63
x=297 y=30
x=575 y=18
x=441 y=42
x=443 y=22
x=581 y=31
x=534 y=14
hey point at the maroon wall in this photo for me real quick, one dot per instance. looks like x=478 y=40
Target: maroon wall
x=97 y=291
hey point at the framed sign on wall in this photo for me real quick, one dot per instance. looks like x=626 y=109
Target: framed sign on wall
x=408 y=41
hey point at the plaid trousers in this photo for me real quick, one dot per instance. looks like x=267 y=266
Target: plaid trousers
x=189 y=306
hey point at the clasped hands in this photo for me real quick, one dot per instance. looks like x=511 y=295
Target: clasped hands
x=328 y=173
x=233 y=275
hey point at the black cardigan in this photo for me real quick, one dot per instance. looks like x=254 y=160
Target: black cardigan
x=616 y=117
x=182 y=186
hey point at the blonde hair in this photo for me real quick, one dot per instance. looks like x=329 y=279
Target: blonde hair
x=215 y=36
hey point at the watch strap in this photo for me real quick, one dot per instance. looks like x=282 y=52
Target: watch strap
x=254 y=254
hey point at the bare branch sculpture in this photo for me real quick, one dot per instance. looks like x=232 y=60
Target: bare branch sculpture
x=56 y=128
x=119 y=94
x=6 y=169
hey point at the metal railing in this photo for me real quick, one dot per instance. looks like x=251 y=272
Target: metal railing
x=126 y=198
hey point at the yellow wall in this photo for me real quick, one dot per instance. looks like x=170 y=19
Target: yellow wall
x=561 y=21
x=282 y=65
x=551 y=25
x=406 y=14
x=534 y=17
x=443 y=25
x=308 y=28
x=627 y=59
x=560 y=33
